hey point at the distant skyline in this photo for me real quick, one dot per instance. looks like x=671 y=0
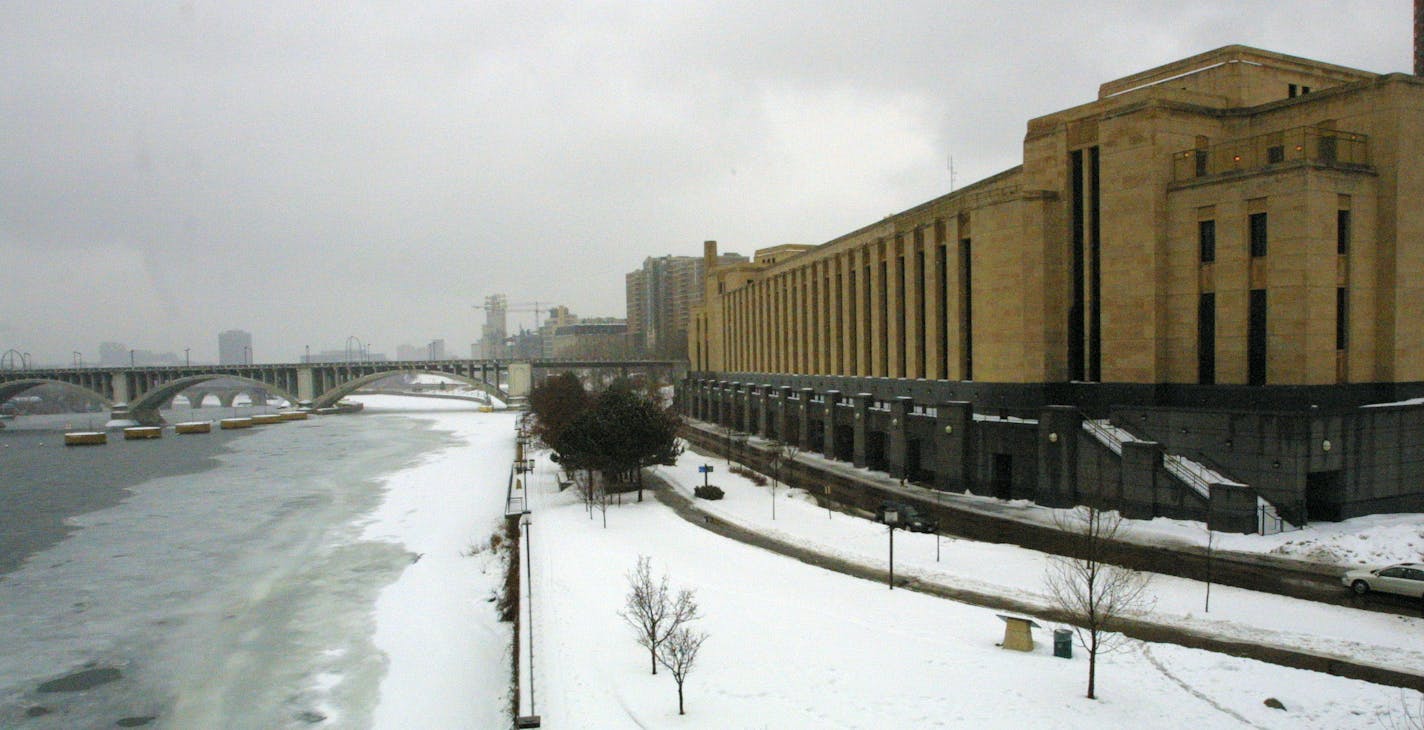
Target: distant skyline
x=308 y=173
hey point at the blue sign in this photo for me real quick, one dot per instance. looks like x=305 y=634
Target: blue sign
x=705 y=468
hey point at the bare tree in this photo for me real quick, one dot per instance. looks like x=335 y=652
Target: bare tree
x=1092 y=591
x=652 y=610
x=783 y=453
x=678 y=653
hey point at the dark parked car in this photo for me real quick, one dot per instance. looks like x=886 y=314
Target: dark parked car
x=907 y=517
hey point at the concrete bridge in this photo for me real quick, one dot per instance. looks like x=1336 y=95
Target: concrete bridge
x=139 y=392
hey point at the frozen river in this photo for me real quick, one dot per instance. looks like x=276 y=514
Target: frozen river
x=239 y=581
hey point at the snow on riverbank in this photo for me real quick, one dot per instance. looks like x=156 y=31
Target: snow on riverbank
x=447 y=653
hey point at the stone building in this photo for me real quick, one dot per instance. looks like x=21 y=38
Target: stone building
x=1222 y=258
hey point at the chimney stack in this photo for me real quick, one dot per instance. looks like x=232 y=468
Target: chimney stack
x=709 y=248
x=1419 y=37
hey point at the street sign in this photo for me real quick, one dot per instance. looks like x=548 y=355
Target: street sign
x=705 y=468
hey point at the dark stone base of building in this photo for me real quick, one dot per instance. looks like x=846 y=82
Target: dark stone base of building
x=1243 y=459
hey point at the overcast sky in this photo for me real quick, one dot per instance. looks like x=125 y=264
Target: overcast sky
x=312 y=171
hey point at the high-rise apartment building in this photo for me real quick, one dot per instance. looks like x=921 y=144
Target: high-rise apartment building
x=660 y=298
x=234 y=347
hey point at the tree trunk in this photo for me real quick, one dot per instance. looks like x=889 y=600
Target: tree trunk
x=679 y=699
x=1092 y=673
x=640 y=484
x=653 y=659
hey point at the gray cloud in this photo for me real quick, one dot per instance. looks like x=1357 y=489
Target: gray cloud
x=308 y=173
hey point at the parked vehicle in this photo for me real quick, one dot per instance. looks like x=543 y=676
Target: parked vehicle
x=1405 y=579
x=907 y=517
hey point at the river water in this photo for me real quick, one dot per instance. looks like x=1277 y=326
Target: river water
x=217 y=576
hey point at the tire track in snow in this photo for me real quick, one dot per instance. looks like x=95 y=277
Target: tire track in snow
x=1147 y=652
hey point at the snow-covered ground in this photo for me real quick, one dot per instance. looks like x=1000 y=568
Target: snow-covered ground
x=1009 y=570
x=448 y=664
x=1373 y=540
x=792 y=645
x=797 y=646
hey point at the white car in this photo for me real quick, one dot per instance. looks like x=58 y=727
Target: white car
x=1405 y=579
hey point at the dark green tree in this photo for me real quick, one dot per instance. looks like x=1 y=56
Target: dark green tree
x=556 y=403
x=621 y=433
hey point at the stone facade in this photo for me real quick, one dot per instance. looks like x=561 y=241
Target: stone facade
x=1238 y=229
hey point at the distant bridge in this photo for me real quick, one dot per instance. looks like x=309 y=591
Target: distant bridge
x=139 y=392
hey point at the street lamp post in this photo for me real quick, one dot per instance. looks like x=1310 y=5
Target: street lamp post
x=529 y=601
x=892 y=517
x=187 y=361
x=131 y=358
x=78 y=359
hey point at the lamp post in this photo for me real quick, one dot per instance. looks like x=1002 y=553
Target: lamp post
x=525 y=522
x=78 y=359
x=307 y=357
x=187 y=361
x=892 y=517
x=131 y=358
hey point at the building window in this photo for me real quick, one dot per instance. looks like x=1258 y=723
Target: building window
x=1256 y=339
x=966 y=310
x=1275 y=154
x=1258 y=235
x=1206 y=339
x=1201 y=162
x=1304 y=90
x=1292 y=91
x=1342 y=232
x=1206 y=237
x=1342 y=318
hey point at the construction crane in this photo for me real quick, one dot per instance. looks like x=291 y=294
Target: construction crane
x=521 y=307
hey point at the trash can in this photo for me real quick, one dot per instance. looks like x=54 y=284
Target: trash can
x=1063 y=643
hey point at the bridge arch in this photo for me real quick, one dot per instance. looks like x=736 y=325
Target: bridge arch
x=330 y=397
x=12 y=388
x=161 y=394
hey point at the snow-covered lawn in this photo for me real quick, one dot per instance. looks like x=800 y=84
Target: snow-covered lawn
x=796 y=646
x=1373 y=540
x=1371 y=637
x=792 y=645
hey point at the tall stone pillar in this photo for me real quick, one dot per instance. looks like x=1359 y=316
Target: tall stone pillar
x=763 y=410
x=306 y=390
x=1140 y=463
x=748 y=396
x=828 y=424
x=783 y=413
x=1058 y=430
x=803 y=429
x=896 y=440
x=119 y=383
x=954 y=457
x=860 y=406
